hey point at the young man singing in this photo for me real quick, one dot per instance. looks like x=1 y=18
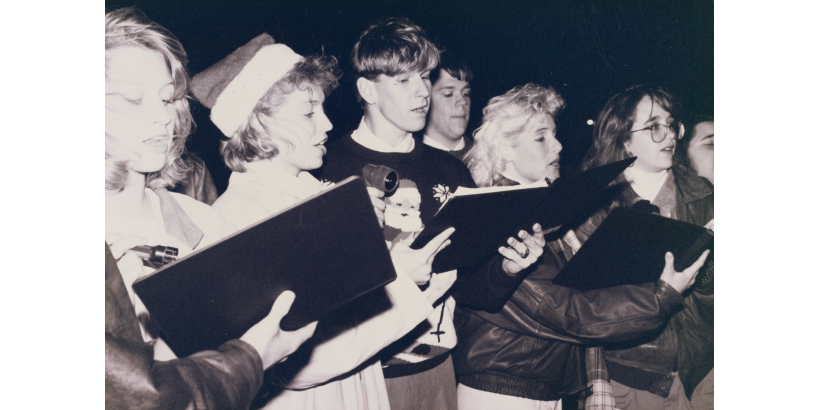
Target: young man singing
x=449 y=107
x=392 y=61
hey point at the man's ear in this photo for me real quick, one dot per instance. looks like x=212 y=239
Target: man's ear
x=367 y=90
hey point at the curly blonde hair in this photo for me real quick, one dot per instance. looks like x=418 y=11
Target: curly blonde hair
x=128 y=27
x=255 y=140
x=505 y=119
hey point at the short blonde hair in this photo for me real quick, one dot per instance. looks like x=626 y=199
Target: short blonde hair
x=128 y=27
x=254 y=140
x=505 y=119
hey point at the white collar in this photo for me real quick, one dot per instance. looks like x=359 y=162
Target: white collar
x=646 y=184
x=262 y=173
x=367 y=139
x=435 y=144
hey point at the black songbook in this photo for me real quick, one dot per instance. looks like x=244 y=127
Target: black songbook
x=628 y=248
x=484 y=221
x=328 y=249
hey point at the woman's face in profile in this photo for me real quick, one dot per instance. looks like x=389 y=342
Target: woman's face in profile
x=138 y=106
x=538 y=151
x=301 y=120
x=652 y=156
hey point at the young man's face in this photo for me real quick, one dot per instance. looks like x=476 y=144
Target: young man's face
x=403 y=100
x=702 y=150
x=449 y=108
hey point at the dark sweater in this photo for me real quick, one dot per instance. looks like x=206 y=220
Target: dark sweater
x=427 y=177
x=459 y=154
x=434 y=173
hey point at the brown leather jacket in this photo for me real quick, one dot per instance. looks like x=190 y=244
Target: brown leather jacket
x=531 y=347
x=224 y=379
x=686 y=344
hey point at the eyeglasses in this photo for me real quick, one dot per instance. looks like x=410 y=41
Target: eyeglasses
x=659 y=131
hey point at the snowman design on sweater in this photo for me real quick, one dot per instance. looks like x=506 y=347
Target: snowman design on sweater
x=402 y=217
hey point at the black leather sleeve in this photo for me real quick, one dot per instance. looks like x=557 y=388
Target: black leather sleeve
x=486 y=287
x=540 y=309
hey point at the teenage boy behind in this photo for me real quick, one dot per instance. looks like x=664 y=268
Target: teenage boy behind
x=392 y=61
x=449 y=106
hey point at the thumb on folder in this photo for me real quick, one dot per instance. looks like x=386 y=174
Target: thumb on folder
x=418 y=264
x=681 y=281
x=272 y=343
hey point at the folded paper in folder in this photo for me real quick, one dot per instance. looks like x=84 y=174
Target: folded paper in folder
x=485 y=219
x=328 y=249
x=628 y=248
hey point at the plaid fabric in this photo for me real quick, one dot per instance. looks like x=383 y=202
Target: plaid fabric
x=601 y=397
x=598 y=376
x=572 y=241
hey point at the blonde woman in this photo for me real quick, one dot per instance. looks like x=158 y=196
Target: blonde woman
x=147 y=120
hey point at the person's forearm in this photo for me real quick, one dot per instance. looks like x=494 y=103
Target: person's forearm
x=224 y=379
x=486 y=287
x=543 y=310
x=362 y=341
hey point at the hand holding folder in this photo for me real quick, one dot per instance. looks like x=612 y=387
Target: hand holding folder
x=418 y=263
x=271 y=342
x=629 y=248
x=522 y=254
x=682 y=280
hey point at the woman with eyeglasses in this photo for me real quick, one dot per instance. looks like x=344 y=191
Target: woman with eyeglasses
x=673 y=369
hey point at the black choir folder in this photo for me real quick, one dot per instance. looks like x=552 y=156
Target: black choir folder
x=485 y=220
x=328 y=249
x=628 y=248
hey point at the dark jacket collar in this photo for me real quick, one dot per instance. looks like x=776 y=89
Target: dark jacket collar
x=691 y=186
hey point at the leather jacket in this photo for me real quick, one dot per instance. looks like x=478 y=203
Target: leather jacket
x=224 y=379
x=686 y=344
x=530 y=346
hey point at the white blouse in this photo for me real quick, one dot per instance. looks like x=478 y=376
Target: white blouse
x=155 y=232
